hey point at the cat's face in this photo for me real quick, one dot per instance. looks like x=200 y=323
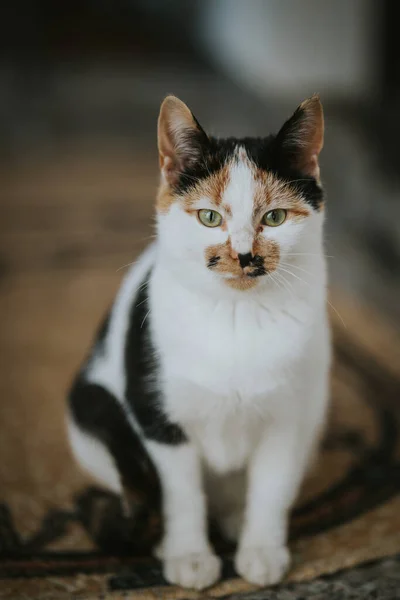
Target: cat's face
x=238 y=208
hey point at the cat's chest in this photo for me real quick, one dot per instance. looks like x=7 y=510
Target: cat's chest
x=228 y=348
x=226 y=442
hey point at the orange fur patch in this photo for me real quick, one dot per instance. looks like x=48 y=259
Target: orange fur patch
x=229 y=266
x=165 y=197
x=241 y=283
x=212 y=188
x=271 y=192
x=269 y=250
x=225 y=262
x=227 y=209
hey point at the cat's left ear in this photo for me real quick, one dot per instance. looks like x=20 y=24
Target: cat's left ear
x=181 y=139
x=302 y=137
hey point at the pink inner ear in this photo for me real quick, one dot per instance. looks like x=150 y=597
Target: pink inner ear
x=179 y=138
x=169 y=168
x=310 y=166
x=315 y=166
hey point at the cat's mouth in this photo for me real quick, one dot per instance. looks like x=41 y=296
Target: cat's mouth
x=247 y=276
x=250 y=275
x=257 y=272
x=256 y=268
x=245 y=280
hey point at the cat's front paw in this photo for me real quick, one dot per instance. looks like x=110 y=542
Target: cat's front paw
x=265 y=565
x=196 y=571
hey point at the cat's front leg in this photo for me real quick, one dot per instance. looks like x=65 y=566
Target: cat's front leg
x=188 y=559
x=275 y=472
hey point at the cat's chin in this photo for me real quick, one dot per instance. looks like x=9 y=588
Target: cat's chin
x=243 y=282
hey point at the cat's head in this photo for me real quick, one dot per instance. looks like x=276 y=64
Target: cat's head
x=237 y=208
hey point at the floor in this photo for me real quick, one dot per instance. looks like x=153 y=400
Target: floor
x=379 y=581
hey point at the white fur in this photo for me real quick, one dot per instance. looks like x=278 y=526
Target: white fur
x=94 y=457
x=236 y=194
x=107 y=367
x=243 y=372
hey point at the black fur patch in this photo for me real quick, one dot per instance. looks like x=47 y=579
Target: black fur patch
x=266 y=153
x=141 y=366
x=97 y=412
x=258 y=263
x=213 y=261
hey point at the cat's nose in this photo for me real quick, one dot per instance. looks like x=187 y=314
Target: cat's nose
x=245 y=259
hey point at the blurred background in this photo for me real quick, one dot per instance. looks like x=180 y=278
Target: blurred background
x=80 y=87
x=81 y=83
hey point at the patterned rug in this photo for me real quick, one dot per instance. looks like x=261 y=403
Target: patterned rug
x=62 y=537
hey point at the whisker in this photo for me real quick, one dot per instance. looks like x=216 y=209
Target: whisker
x=281 y=277
x=328 y=301
x=338 y=314
x=275 y=281
x=296 y=267
x=308 y=254
x=287 y=285
x=144 y=285
x=142 y=302
x=294 y=275
x=125 y=266
x=145 y=317
x=296 y=180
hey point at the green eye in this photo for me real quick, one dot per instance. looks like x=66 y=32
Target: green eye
x=209 y=218
x=275 y=217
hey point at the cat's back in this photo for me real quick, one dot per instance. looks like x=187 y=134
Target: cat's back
x=106 y=365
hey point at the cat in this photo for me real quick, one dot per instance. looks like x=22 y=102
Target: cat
x=213 y=363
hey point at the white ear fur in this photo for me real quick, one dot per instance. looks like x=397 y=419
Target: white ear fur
x=180 y=138
x=302 y=136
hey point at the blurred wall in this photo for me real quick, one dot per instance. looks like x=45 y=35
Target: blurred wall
x=291 y=47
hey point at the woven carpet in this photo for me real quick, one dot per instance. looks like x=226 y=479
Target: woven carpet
x=61 y=536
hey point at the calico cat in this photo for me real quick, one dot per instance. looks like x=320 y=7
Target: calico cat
x=213 y=362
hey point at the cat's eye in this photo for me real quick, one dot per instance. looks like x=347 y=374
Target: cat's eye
x=209 y=218
x=275 y=217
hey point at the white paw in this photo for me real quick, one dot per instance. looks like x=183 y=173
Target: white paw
x=231 y=525
x=263 y=565
x=197 y=571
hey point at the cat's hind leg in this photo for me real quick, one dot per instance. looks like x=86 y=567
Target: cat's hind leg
x=105 y=443
x=93 y=456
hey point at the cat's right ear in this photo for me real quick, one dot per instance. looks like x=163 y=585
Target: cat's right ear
x=181 y=139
